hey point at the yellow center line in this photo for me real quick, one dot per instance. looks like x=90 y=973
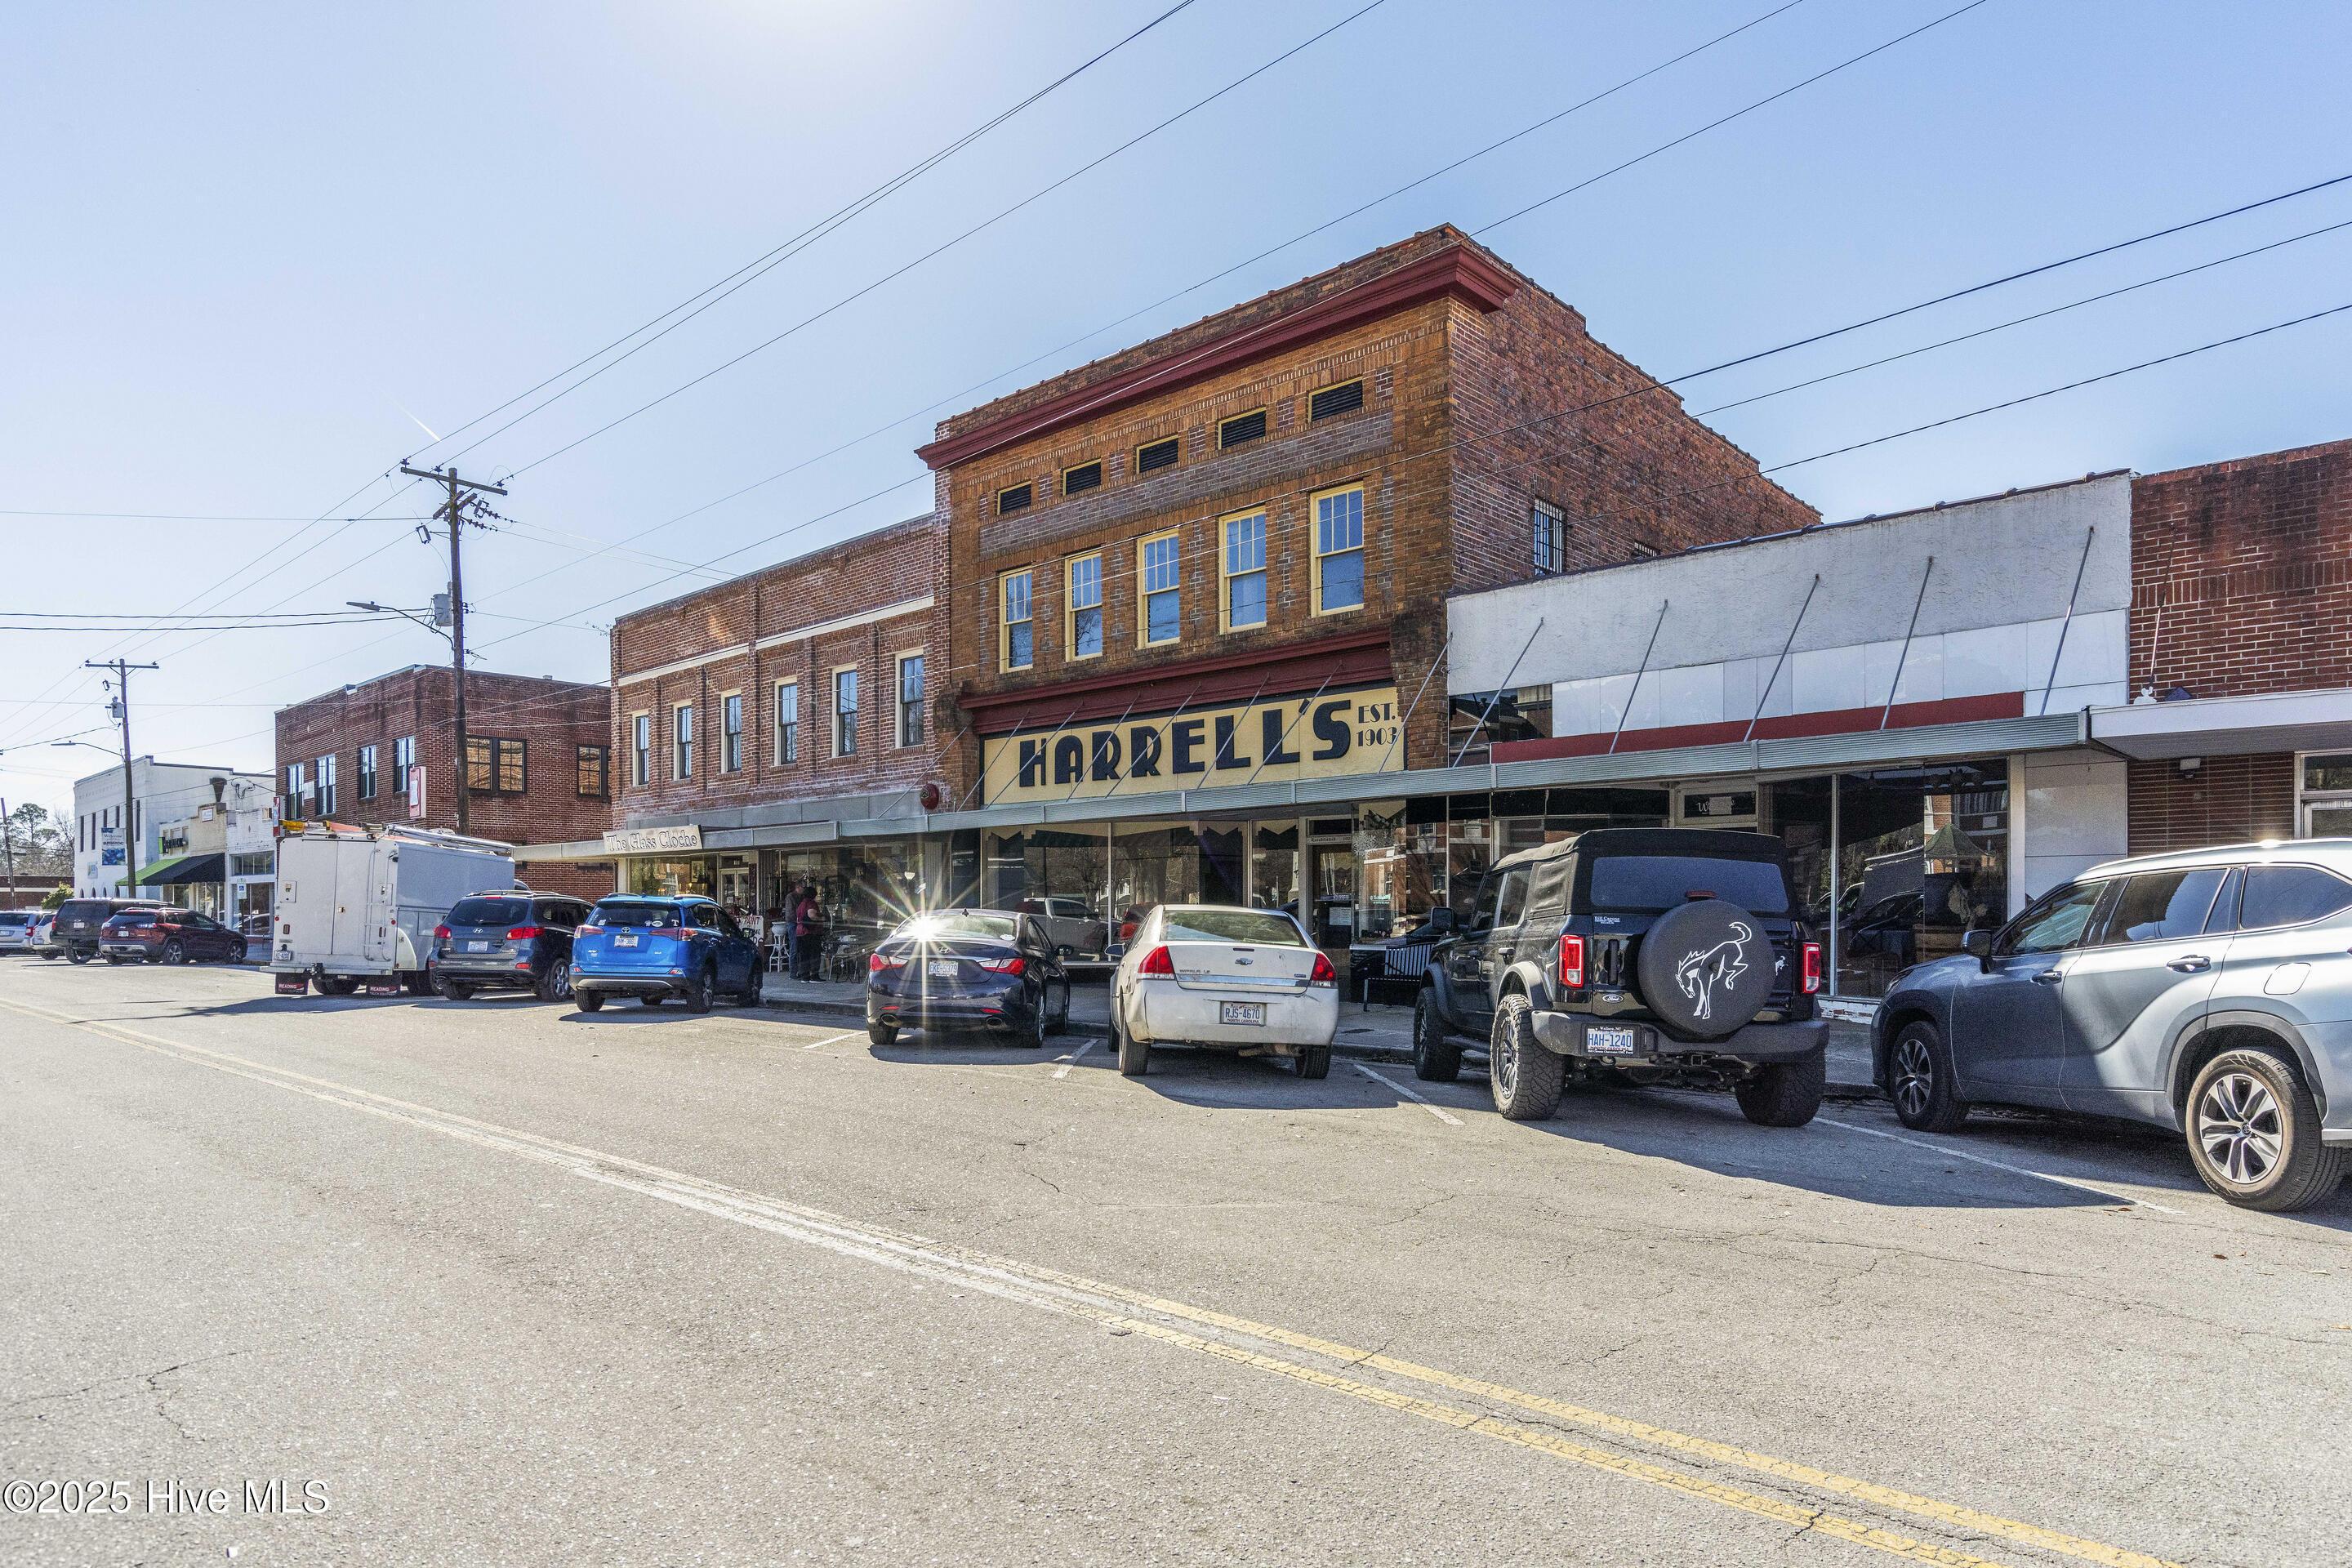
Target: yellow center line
x=905 y=1249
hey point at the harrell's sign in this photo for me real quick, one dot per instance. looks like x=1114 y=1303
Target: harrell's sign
x=1276 y=741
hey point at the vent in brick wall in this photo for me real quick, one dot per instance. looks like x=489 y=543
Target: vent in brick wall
x=1240 y=429
x=1016 y=499
x=1344 y=398
x=1159 y=455
x=1085 y=476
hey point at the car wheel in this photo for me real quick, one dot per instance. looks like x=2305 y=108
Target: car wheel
x=1315 y=1061
x=755 y=984
x=1920 y=1082
x=76 y=955
x=2253 y=1134
x=698 y=987
x=1057 y=1019
x=456 y=990
x=172 y=953
x=1134 y=1055
x=587 y=1001
x=1435 y=1059
x=554 y=985
x=1524 y=1076
x=1034 y=1037
x=1784 y=1094
x=882 y=1034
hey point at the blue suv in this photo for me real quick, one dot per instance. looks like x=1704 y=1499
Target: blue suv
x=653 y=948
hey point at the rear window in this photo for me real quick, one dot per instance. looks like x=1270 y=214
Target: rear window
x=936 y=928
x=489 y=911
x=134 y=917
x=1257 y=928
x=2290 y=895
x=85 y=909
x=635 y=915
x=1663 y=881
x=15 y=918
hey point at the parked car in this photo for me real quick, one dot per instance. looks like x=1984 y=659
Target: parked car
x=1642 y=955
x=1222 y=978
x=1070 y=924
x=2209 y=993
x=653 y=947
x=515 y=941
x=79 y=920
x=356 y=905
x=167 y=935
x=16 y=930
x=998 y=970
x=44 y=940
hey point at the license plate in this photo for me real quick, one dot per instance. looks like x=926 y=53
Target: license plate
x=1609 y=1040
x=943 y=969
x=475 y=946
x=625 y=942
x=1241 y=1012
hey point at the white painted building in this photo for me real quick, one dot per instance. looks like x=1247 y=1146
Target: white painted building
x=165 y=796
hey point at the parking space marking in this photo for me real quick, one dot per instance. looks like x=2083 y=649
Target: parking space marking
x=1072 y=1060
x=2112 y=1197
x=831 y=1039
x=1428 y=1105
x=1123 y=1309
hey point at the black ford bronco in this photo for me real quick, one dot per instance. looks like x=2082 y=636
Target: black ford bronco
x=1631 y=954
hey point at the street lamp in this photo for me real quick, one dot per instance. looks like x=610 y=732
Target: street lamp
x=440 y=631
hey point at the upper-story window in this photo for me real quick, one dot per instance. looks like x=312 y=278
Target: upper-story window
x=403 y=758
x=1083 y=478
x=641 y=749
x=1245 y=570
x=788 y=721
x=495 y=764
x=910 y=699
x=1548 y=526
x=1159 y=587
x=1339 y=550
x=592 y=776
x=1014 y=498
x=1240 y=429
x=1082 y=578
x=731 y=732
x=327 y=785
x=1015 y=649
x=295 y=790
x=1344 y=398
x=845 y=712
x=1156 y=455
x=681 y=741
x=367 y=773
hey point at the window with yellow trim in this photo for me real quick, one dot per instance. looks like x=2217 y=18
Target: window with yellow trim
x=1339 y=550
x=1083 y=606
x=1016 y=647
x=1159 y=588
x=1245 y=569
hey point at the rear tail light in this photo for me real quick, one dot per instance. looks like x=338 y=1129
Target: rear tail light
x=1572 y=962
x=588 y=931
x=1158 y=961
x=522 y=933
x=1812 y=967
x=1322 y=973
x=1002 y=965
x=440 y=933
x=676 y=933
x=876 y=963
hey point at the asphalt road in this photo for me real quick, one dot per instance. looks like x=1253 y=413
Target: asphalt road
x=506 y=1283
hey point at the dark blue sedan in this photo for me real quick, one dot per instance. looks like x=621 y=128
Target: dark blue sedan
x=654 y=947
x=970 y=969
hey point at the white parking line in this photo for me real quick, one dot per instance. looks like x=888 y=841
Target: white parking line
x=1443 y=1115
x=1072 y=1060
x=1996 y=1164
x=833 y=1039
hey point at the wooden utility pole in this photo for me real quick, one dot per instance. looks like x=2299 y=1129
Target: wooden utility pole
x=130 y=807
x=454 y=510
x=8 y=842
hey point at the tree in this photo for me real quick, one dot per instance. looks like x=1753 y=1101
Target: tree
x=42 y=844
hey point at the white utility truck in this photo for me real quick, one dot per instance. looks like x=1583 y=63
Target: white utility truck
x=356 y=905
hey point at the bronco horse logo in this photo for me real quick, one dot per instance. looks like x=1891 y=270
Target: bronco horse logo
x=1697 y=974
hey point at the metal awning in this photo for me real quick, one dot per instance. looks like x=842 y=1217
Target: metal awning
x=2228 y=726
x=174 y=869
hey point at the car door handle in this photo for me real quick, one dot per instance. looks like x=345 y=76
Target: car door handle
x=2048 y=977
x=2192 y=964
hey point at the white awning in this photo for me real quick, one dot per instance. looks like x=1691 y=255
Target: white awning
x=2228 y=726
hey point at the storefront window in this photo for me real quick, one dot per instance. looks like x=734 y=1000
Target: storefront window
x=1273 y=864
x=677 y=877
x=1923 y=858
x=1798 y=810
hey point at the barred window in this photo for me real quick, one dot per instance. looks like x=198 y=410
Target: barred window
x=1549 y=526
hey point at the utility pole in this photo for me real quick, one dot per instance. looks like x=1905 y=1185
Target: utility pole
x=460 y=491
x=130 y=807
x=8 y=842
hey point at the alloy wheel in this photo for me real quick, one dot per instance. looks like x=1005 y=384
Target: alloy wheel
x=2239 y=1128
x=1914 y=1076
x=1503 y=1063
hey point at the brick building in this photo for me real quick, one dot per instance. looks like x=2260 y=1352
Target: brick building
x=541 y=762
x=2241 y=622
x=1198 y=588
x=778 y=728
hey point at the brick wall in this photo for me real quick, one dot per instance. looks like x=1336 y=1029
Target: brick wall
x=2228 y=800
x=2242 y=575
x=551 y=717
x=846 y=582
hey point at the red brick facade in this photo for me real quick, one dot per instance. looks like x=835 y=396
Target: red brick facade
x=1474 y=386
x=860 y=605
x=552 y=719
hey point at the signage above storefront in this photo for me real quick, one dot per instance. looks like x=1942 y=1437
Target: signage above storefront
x=653 y=840
x=1277 y=740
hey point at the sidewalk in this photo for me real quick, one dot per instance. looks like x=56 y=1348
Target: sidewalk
x=1374 y=1033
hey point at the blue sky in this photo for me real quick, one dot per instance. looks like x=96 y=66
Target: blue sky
x=252 y=249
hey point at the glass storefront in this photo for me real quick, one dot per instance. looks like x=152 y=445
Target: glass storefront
x=1922 y=859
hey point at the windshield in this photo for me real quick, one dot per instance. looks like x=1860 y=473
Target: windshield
x=635 y=915
x=1260 y=928
x=490 y=912
x=940 y=928
x=1663 y=881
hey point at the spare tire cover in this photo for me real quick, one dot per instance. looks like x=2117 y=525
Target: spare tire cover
x=1706 y=968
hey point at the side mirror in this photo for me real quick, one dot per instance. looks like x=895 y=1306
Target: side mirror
x=1442 y=920
x=1978 y=944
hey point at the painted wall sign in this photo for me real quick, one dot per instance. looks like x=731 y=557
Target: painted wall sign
x=653 y=840
x=1278 y=740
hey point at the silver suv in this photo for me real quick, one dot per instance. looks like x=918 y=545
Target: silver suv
x=2209 y=991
